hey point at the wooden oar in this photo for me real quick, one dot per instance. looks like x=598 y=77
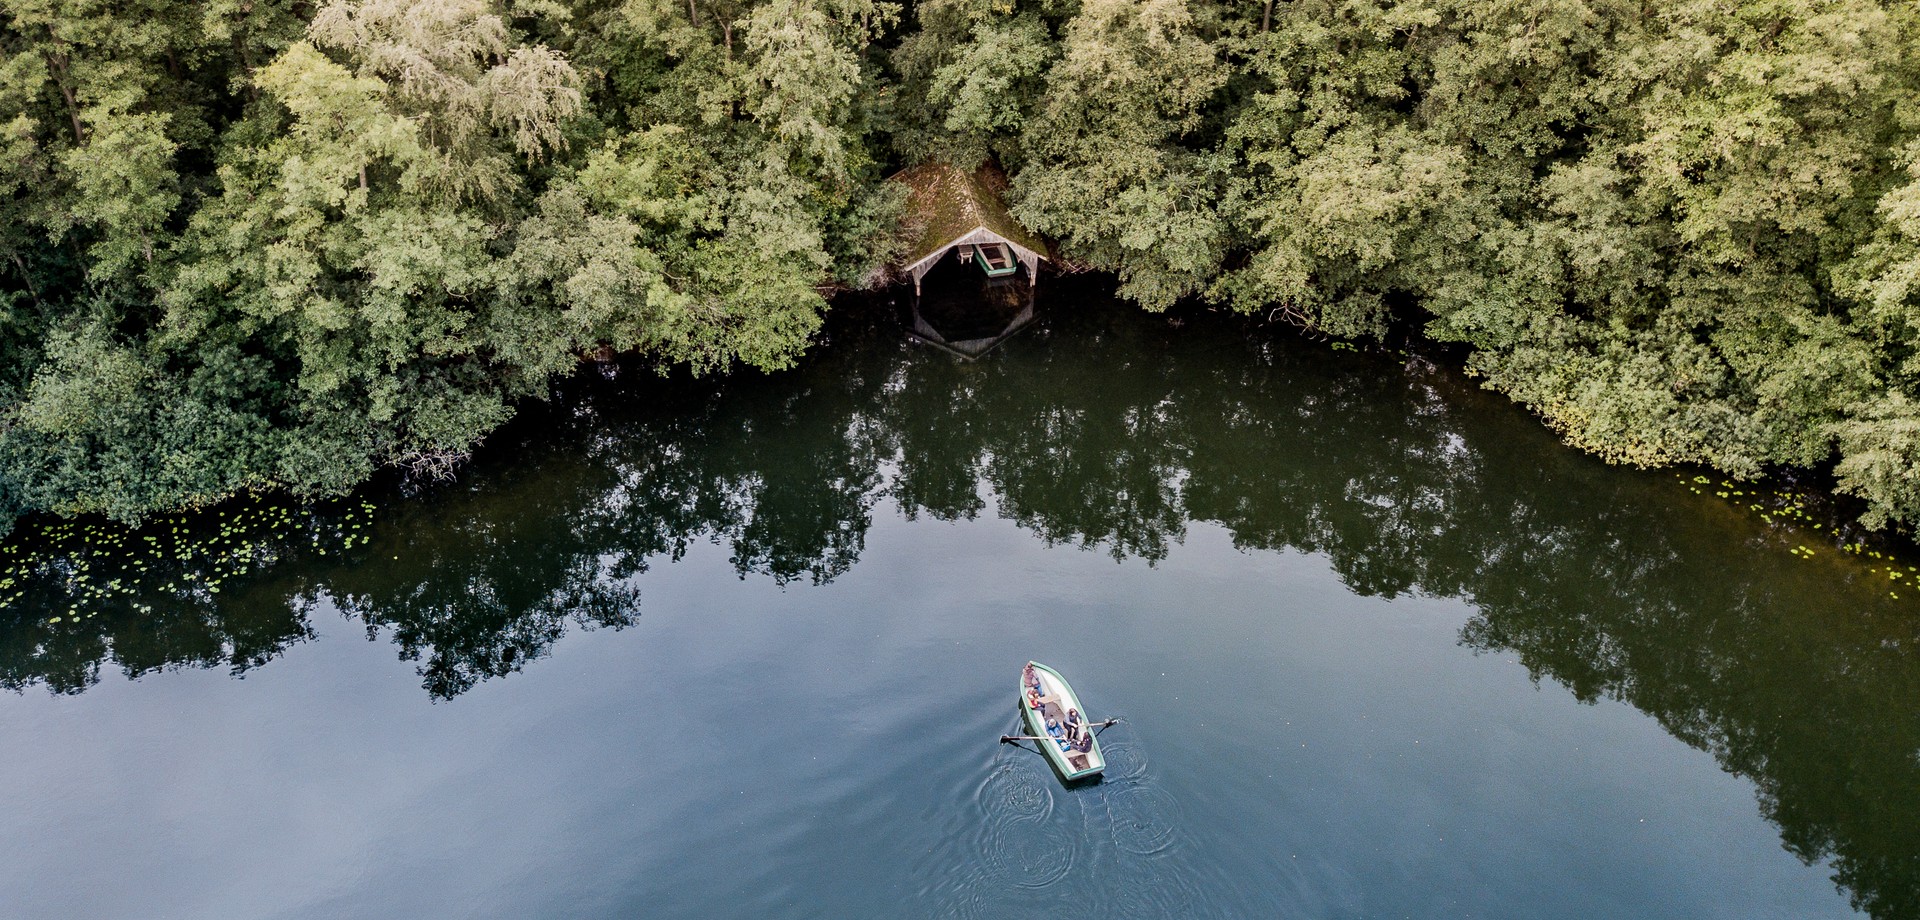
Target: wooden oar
x=1009 y=739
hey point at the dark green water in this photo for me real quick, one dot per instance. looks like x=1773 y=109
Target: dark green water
x=743 y=649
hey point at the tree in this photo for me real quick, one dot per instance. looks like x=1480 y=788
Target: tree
x=1109 y=174
x=972 y=73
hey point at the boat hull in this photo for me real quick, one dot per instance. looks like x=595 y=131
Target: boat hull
x=1071 y=764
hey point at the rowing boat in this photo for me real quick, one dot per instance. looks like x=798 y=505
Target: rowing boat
x=995 y=259
x=1053 y=700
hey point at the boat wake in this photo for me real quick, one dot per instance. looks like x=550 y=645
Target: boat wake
x=1143 y=818
x=1041 y=840
x=1028 y=844
x=1126 y=760
x=1010 y=793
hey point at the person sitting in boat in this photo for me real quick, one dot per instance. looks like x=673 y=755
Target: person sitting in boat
x=1074 y=726
x=1084 y=743
x=1059 y=733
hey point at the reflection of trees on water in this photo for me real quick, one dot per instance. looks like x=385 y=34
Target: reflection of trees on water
x=1801 y=687
x=485 y=581
x=200 y=633
x=1113 y=432
x=785 y=471
x=1075 y=451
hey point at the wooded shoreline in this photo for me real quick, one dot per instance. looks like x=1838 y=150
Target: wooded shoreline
x=275 y=246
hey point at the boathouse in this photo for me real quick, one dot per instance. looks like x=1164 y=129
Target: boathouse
x=953 y=211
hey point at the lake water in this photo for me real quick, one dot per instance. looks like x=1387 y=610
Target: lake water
x=744 y=648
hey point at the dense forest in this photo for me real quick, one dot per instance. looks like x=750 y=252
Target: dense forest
x=261 y=244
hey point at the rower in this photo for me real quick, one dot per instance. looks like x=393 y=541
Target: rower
x=1062 y=735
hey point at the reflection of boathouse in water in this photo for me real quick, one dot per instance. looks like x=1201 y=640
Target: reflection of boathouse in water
x=967 y=255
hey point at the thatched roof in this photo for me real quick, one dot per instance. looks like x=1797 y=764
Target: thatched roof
x=949 y=207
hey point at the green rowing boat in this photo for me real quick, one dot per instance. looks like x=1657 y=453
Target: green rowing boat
x=995 y=259
x=1046 y=697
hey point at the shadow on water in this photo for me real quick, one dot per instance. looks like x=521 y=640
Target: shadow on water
x=966 y=314
x=1112 y=430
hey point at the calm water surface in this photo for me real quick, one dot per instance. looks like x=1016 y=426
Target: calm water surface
x=743 y=649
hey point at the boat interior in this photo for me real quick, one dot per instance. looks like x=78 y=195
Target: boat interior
x=1053 y=705
x=995 y=258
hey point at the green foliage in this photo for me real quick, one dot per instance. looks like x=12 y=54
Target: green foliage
x=971 y=75
x=102 y=430
x=1880 y=450
x=242 y=250
x=1109 y=174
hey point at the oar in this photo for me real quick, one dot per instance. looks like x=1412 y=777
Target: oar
x=1009 y=739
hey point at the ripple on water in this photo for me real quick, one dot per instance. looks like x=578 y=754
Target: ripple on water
x=1028 y=843
x=987 y=902
x=1125 y=760
x=1029 y=853
x=1144 y=818
x=1012 y=791
x=1155 y=889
